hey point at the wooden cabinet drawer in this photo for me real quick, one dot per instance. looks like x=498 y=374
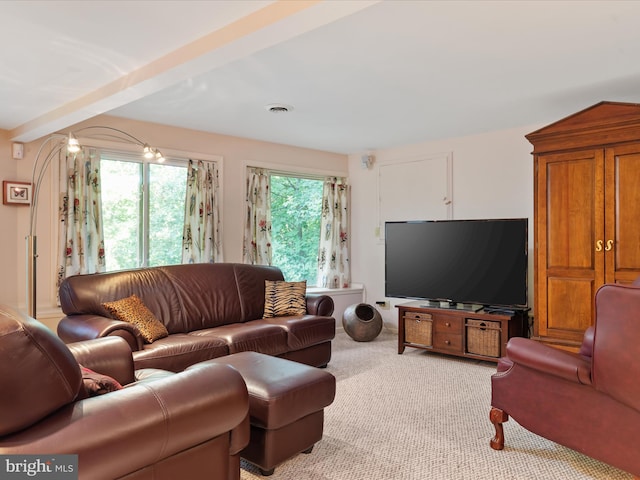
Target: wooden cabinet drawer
x=447 y=341
x=446 y=324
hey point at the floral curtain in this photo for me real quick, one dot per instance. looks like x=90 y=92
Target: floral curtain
x=257 y=231
x=81 y=239
x=201 y=238
x=333 y=256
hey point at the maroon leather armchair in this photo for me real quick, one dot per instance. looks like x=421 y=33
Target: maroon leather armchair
x=587 y=401
x=152 y=424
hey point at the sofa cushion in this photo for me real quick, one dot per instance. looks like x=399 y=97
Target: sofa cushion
x=208 y=296
x=304 y=330
x=178 y=351
x=284 y=298
x=147 y=375
x=250 y=284
x=134 y=311
x=254 y=336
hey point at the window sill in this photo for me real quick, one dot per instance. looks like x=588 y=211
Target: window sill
x=354 y=288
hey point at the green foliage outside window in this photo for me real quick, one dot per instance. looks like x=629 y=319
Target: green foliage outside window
x=296 y=207
x=167 y=191
x=124 y=212
x=121 y=201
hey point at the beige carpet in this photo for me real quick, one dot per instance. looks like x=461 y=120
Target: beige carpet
x=422 y=415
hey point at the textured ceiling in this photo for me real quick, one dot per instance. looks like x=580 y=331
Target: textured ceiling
x=360 y=75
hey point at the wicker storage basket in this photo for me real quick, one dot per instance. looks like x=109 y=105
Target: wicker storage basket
x=483 y=337
x=417 y=328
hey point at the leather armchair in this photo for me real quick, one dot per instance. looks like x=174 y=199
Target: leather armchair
x=588 y=401
x=159 y=425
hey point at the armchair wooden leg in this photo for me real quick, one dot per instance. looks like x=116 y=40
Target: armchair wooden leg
x=498 y=417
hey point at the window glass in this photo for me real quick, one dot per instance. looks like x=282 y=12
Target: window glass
x=296 y=208
x=121 y=212
x=143 y=220
x=167 y=190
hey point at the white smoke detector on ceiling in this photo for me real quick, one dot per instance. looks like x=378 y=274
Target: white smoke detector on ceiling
x=278 y=108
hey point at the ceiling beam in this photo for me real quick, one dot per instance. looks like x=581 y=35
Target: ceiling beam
x=268 y=26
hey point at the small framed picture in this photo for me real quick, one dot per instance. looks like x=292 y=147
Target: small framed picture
x=16 y=193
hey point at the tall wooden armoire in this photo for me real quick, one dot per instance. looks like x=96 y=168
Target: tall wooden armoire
x=586 y=215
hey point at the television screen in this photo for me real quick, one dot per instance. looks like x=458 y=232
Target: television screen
x=480 y=262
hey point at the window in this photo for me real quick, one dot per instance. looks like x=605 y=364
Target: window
x=143 y=211
x=296 y=208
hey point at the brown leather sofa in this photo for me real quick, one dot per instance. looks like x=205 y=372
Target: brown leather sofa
x=587 y=401
x=150 y=425
x=209 y=310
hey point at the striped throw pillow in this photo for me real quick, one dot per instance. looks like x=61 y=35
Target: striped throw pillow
x=282 y=299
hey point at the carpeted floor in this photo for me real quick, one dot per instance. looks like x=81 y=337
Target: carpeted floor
x=422 y=415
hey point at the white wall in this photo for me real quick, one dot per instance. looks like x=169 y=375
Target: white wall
x=492 y=177
x=10 y=238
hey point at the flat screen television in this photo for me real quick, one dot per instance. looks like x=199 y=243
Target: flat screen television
x=458 y=262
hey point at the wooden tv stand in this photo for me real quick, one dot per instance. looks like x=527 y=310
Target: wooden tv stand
x=464 y=333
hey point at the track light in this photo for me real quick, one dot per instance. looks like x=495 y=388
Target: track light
x=147 y=151
x=73 y=145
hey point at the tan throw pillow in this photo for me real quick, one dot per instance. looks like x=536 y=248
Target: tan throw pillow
x=132 y=310
x=282 y=299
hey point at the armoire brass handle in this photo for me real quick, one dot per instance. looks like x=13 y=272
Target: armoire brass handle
x=607 y=248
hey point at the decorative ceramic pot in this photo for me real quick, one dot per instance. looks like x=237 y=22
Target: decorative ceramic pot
x=362 y=322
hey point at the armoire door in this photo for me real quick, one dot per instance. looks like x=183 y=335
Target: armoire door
x=622 y=211
x=570 y=261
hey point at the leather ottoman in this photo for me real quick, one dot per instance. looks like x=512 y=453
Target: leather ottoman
x=286 y=406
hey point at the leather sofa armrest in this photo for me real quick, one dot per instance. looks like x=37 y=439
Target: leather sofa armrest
x=586 y=349
x=108 y=355
x=240 y=436
x=319 y=304
x=549 y=360
x=76 y=328
x=141 y=424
